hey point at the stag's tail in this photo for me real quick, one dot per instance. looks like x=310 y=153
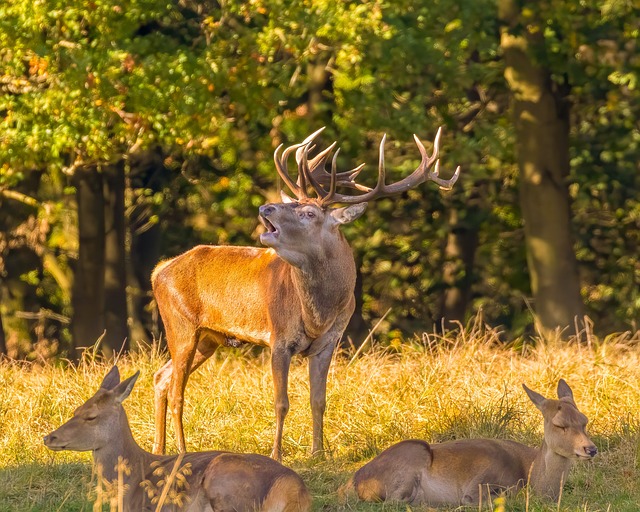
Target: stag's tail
x=287 y=494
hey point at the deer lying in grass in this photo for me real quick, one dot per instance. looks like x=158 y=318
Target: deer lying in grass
x=296 y=296
x=213 y=481
x=457 y=472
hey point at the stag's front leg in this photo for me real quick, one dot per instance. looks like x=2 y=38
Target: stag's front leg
x=280 y=362
x=318 y=371
x=319 y=363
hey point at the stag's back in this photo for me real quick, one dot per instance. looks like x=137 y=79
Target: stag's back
x=226 y=289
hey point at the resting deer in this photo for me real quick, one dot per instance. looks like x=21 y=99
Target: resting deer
x=296 y=296
x=212 y=481
x=457 y=472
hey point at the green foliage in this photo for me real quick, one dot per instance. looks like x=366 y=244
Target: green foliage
x=212 y=88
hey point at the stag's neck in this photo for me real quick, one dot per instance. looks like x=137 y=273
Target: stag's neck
x=324 y=281
x=549 y=472
x=122 y=453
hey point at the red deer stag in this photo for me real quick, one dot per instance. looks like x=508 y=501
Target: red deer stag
x=296 y=296
x=206 y=481
x=466 y=471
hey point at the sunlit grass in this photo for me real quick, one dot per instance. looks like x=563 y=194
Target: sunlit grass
x=435 y=389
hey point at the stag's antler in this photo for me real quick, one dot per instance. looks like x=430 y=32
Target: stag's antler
x=314 y=173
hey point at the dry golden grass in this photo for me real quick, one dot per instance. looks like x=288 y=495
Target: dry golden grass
x=434 y=388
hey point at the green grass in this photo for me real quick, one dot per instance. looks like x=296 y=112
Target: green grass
x=436 y=389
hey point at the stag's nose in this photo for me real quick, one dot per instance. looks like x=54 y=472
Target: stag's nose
x=591 y=451
x=266 y=210
x=48 y=439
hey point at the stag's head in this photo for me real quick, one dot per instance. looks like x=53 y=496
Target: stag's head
x=564 y=425
x=302 y=222
x=97 y=422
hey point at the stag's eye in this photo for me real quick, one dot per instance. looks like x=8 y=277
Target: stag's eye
x=90 y=418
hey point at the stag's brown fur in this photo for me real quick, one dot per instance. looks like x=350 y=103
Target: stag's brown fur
x=460 y=472
x=217 y=481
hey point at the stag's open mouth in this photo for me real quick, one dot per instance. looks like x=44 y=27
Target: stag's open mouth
x=271 y=233
x=271 y=228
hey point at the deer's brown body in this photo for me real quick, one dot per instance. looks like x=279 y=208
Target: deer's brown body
x=217 y=481
x=296 y=296
x=459 y=472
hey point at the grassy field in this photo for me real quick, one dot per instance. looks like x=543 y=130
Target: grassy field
x=435 y=389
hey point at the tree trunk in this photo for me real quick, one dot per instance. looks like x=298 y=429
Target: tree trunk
x=3 y=339
x=459 y=255
x=115 y=278
x=88 y=287
x=147 y=171
x=541 y=115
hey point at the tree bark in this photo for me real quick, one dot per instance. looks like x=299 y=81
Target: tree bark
x=88 y=288
x=147 y=171
x=459 y=254
x=541 y=116
x=115 y=278
x=3 y=340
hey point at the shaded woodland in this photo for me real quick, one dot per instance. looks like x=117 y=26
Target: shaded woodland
x=134 y=130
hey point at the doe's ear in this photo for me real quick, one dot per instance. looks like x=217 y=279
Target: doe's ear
x=347 y=213
x=123 y=390
x=111 y=379
x=564 y=391
x=537 y=399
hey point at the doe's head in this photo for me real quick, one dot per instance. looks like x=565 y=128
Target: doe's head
x=95 y=423
x=564 y=425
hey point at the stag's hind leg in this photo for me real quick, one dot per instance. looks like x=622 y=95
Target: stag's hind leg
x=161 y=381
x=185 y=362
x=170 y=382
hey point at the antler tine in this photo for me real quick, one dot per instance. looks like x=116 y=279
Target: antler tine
x=300 y=191
x=420 y=175
x=313 y=168
x=327 y=199
x=281 y=167
x=303 y=167
x=443 y=184
x=319 y=160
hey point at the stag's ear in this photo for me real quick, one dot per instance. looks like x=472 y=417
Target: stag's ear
x=286 y=198
x=123 y=390
x=111 y=379
x=564 y=391
x=348 y=213
x=537 y=399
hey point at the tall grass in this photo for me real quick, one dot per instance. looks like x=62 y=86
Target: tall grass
x=436 y=388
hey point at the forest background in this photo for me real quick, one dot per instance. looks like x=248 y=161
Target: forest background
x=134 y=130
